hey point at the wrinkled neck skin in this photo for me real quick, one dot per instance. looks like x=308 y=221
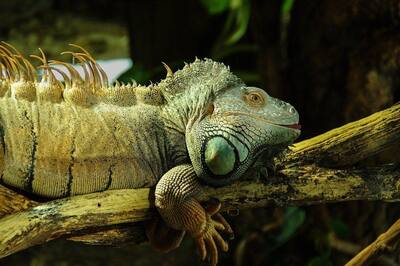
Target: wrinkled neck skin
x=179 y=116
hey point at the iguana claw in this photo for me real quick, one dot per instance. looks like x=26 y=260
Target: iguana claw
x=213 y=207
x=210 y=237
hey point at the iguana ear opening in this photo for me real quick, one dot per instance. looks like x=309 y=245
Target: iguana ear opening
x=208 y=111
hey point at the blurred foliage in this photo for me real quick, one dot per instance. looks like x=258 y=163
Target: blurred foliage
x=287 y=6
x=106 y=39
x=216 y=6
x=340 y=228
x=137 y=73
x=286 y=9
x=294 y=218
x=237 y=15
x=36 y=24
x=323 y=260
x=236 y=22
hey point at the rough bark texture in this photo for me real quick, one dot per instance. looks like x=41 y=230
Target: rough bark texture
x=350 y=143
x=298 y=183
x=11 y=201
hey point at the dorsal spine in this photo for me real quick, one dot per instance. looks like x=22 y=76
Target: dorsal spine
x=19 y=79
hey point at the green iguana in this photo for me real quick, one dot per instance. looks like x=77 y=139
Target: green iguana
x=199 y=126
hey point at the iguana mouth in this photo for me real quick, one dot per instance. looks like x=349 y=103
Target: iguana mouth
x=295 y=126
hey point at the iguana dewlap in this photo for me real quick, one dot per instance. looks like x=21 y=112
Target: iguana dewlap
x=199 y=126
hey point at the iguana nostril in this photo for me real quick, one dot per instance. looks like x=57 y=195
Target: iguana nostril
x=292 y=110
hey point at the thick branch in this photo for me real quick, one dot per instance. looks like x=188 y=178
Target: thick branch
x=350 y=143
x=306 y=185
x=297 y=182
x=62 y=217
x=11 y=202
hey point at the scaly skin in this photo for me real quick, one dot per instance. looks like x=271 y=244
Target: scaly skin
x=58 y=150
x=199 y=126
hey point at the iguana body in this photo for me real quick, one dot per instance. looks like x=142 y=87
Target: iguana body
x=58 y=150
x=199 y=126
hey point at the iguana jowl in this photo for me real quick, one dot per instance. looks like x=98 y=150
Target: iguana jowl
x=199 y=126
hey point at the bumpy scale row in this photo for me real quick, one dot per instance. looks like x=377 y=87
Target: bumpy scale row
x=19 y=79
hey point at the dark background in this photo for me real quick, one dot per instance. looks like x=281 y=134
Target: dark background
x=335 y=60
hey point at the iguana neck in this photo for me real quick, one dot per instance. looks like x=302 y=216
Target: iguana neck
x=188 y=107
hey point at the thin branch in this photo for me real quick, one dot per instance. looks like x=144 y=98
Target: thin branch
x=386 y=242
x=350 y=248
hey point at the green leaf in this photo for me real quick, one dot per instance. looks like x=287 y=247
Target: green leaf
x=294 y=219
x=241 y=14
x=340 y=228
x=287 y=6
x=216 y=6
x=236 y=3
x=137 y=73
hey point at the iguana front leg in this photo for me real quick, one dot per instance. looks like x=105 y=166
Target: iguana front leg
x=175 y=201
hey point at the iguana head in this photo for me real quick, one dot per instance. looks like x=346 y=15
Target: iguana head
x=235 y=128
x=228 y=123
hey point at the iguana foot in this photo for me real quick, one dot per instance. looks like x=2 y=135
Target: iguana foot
x=209 y=238
x=176 y=202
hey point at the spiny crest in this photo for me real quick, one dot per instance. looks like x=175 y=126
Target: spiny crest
x=19 y=79
x=16 y=72
x=201 y=74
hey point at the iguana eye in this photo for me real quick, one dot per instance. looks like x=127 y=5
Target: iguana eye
x=254 y=99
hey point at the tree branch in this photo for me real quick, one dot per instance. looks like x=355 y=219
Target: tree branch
x=350 y=143
x=298 y=181
x=10 y=201
x=386 y=242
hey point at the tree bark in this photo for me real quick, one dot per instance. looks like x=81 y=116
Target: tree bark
x=302 y=177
